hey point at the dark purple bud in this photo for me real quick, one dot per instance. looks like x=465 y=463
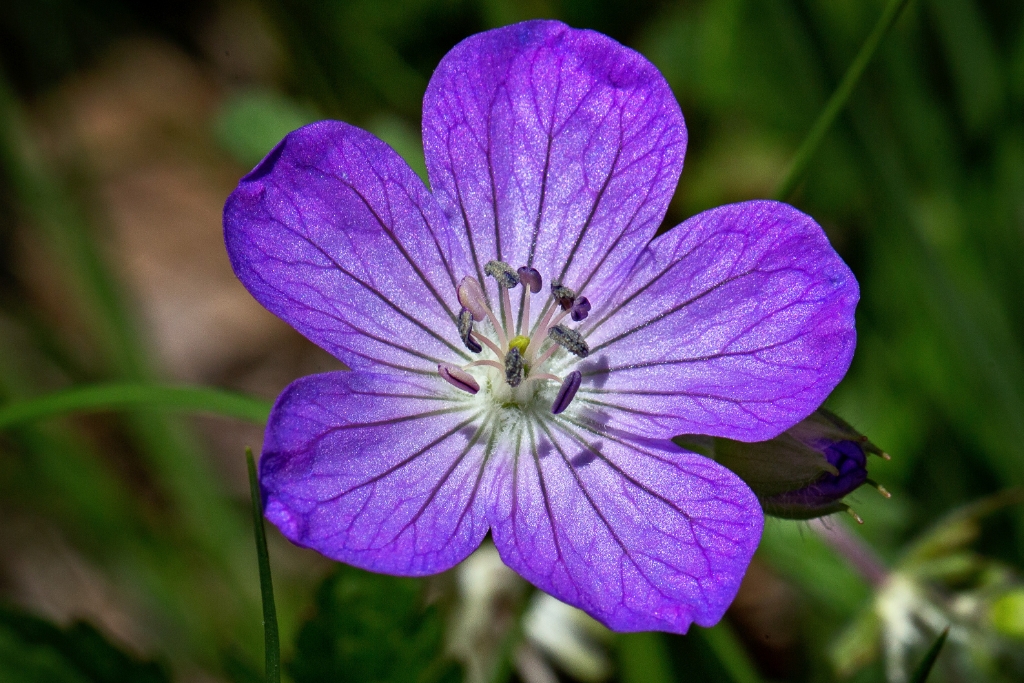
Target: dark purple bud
x=563 y=295
x=514 y=367
x=531 y=278
x=802 y=473
x=466 y=330
x=458 y=378
x=825 y=494
x=570 y=340
x=570 y=385
x=580 y=308
x=503 y=273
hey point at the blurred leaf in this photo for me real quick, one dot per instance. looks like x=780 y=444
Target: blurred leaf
x=730 y=653
x=644 y=658
x=958 y=529
x=33 y=650
x=371 y=628
x=923 y=669
x=403 y=138
x=814 y=567
x=1007 y=613
x=858 y=645
x=973 y=60
x=251 y=122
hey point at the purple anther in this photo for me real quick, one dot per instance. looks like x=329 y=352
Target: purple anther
x=471 y=296
x=580 y=308
x=531 y=278
x=458 y=378
x=570 y=385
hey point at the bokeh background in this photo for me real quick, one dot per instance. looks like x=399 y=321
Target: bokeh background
x=126 y=553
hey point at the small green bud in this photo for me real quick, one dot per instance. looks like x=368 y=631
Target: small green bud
x=802 y=473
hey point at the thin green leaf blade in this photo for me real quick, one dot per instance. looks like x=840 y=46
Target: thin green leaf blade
x=271 y=639
x=121 y=396
x=920 y=674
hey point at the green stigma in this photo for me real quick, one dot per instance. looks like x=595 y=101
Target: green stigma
x=519 y=342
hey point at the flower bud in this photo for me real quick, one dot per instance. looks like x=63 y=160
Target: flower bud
x=802 y=473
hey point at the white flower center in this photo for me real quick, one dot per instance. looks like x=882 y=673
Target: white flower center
x=517 y=361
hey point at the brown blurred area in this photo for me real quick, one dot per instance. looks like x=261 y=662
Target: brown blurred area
x=132 y=137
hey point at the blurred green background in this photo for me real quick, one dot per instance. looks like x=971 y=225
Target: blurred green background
x=125 y=550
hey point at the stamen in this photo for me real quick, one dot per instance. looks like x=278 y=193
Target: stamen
x=488 y=343
x=503 y=273
x=569 y=339
x=568 y=391
x=514 y=368
x=530 y=277
x=544 y=356
x=563 y=295
x=458 y=378
x=506 y=305
x=472 y=297
x=524 y=312
x=558 y=318
x=466 y=331
x=580 y=308
x=538 y=339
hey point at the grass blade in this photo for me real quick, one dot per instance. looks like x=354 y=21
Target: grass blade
x=920 y=674
x=837 y=102
x=271 y=640
x=115 y=396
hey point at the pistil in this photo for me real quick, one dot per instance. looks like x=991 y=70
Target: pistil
x=518 y=358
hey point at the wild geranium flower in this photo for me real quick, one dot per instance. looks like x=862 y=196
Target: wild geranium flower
x=522 y=348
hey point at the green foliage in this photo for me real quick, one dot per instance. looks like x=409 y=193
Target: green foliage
x=371 y=628
x=251 y=122
x=924 y=669
x=919 y=184
x=33 y=650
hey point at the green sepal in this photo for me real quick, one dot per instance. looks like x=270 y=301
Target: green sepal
x=769 y=468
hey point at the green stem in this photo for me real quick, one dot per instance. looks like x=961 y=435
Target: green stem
x=115 y=396
x=730 y=653
x=644 y=657
x=271 y=640
x=839 y=98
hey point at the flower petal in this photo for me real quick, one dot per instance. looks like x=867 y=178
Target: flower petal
x=640 y=536
x=553 y=148
x=383 y=472
x=738 y=323
x=334 y=233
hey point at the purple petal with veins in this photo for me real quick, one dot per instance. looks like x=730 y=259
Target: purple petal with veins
x=552 y=148
x=540 y=414
x=737 y=323
x=335 y=234
x=376 y=470
x=640 y=537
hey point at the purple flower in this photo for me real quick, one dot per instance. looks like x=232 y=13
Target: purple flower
x=476 y=402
